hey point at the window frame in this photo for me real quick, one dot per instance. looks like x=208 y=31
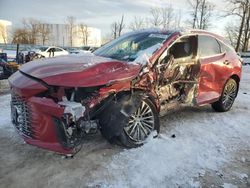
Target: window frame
x=58 y=49
x=166 y=52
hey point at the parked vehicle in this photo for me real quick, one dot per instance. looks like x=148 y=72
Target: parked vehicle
x=76 y=50
x=122 y=88
x=245 y=57
x=51 y=51
x=6 y=68
x=88 y=48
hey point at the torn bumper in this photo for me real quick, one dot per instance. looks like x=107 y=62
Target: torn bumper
x=33 y=117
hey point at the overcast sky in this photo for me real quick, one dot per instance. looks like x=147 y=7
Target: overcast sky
x=95 y=13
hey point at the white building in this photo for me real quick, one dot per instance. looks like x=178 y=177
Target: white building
x=59 y=35
x=4 y=24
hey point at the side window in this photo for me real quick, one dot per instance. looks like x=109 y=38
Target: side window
x=184 y=47
x=225 y=48
x=208 y=46
x=58 y=50
x=51 y=50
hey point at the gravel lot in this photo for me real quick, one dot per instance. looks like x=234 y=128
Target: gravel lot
x=209 y=150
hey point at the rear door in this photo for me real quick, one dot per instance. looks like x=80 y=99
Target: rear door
x=214 y=70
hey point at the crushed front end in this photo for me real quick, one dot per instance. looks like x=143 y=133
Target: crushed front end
x=47 y=116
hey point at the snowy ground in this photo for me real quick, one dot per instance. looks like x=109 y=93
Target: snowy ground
x=209 y=150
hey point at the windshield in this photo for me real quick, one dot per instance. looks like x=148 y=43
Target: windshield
x=130 y=47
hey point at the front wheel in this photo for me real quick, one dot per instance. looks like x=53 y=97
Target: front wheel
x=141 y=124
x=228 y=96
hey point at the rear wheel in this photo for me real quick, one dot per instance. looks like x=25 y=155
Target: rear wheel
x=228 y=96
x=141 y=124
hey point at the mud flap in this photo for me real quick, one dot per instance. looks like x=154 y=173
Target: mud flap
x=116 y=115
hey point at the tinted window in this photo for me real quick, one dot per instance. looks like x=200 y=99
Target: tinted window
x=43 y=49
x=58 y=50
x=208 y=46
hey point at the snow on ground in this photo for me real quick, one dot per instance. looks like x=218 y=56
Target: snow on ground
x=197 y=147
x=204 y=140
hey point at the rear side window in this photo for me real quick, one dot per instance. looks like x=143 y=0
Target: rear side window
x=224 y=48
x=58 y=50
x=208 y=46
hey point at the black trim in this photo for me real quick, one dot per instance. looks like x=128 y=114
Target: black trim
x=51 y=88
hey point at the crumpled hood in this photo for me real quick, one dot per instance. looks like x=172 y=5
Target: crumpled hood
x=80 y=70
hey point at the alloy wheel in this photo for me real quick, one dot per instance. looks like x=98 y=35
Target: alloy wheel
x=141 y=123
x=229 y=94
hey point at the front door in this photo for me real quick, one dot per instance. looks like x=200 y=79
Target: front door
x=178 y=72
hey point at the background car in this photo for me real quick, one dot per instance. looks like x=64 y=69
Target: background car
x=245 y=57
x=122 y=88
x=51 y=51
x=6 y=68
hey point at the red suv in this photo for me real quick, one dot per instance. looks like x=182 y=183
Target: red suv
x=122 y=88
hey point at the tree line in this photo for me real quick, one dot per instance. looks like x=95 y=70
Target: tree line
x=34 y=31
x=201 y=13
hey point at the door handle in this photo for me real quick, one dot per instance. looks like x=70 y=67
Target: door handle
x=226 y=62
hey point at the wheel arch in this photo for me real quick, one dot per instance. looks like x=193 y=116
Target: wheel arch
x=151 y=96
x=119 y=108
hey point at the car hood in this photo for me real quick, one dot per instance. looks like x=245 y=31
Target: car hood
x=80 y=71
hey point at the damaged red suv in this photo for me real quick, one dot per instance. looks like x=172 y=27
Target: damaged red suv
x=122 y=88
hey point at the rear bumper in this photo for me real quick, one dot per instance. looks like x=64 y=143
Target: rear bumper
x=33 y=116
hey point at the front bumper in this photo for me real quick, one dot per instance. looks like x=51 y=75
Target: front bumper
x=33 y=116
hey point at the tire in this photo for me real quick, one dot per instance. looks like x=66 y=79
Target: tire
x=227 y=97
x=141 y=124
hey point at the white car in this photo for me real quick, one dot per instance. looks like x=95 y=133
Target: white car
x=51 y=51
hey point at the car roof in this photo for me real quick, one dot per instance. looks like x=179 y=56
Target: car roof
x=153 y=31
x=181 y=32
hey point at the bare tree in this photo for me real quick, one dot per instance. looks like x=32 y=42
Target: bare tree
x=32 y=26
x=155 y=19
x=205 y=10
x=114 y=30
x=71 y=22
x=84 y=31
x=21 y=36
x=241 y=9
x=232 y=33
x=246 y=34
x=201 y=13
x=45 y=32
x=117 y=27
x=121 y=26
x=167 y=14
x=194 y=12
x=137 y=23
x=3 y=33
x=178 y=18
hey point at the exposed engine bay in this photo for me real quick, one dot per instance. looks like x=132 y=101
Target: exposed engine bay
x=77 y=121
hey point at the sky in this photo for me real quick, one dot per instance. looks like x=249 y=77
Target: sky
x=96 y=13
